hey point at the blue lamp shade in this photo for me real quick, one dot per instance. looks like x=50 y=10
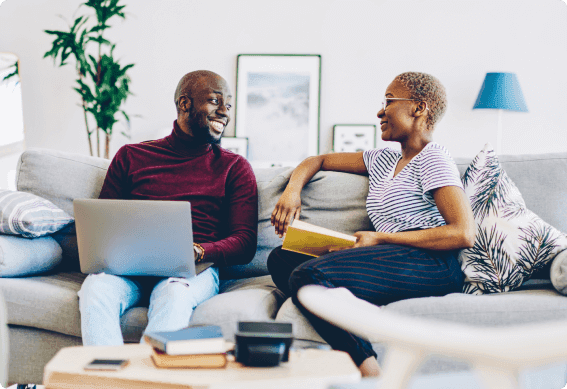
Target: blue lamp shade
x=501 y=91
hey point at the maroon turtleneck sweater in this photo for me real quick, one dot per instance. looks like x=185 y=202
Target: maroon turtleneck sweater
x=219 y=184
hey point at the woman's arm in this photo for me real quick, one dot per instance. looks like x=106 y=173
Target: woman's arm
x=289 y=204
x=458 y=233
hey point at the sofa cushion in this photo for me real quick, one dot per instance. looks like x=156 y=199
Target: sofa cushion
x=252 y=299
x=51 y=303
x=511 y=241
x=500 y=309
x=21 y=256
x=29 y=215
x=47 y=302
x=301 y=327
x=133 y=323
x=60 y=177
x=337 y=201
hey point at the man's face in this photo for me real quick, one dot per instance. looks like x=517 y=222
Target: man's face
x=210 y=109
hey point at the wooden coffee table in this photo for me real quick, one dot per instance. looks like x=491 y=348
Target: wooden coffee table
x=309 y=368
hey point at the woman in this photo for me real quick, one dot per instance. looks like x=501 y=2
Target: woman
x=416 y=204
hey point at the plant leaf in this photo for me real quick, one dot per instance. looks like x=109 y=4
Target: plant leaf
x=490 y=262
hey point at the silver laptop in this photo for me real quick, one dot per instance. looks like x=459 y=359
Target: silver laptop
x=136 y=237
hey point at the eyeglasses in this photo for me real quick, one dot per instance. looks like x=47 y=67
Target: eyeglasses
x=386 y=99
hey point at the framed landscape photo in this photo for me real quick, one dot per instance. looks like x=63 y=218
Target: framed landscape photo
x=349 y=138
x=277 y=107
x=236 y=145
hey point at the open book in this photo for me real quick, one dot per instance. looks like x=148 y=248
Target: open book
x=313 y=240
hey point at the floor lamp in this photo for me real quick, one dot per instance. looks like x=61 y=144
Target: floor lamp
x=501 y=91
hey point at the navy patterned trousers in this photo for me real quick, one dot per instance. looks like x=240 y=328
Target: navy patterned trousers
x=378 y=274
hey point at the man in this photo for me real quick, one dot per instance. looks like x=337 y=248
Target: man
x=187 y=165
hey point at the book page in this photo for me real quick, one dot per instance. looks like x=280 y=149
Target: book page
x=320 y=230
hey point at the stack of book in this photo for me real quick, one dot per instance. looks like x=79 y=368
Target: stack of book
x=201 y=346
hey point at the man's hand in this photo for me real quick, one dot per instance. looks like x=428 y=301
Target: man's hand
x=364 y=239
x=197 y=252
x=287 y=208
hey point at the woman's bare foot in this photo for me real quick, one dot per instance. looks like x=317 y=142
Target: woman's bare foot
x=370 y=368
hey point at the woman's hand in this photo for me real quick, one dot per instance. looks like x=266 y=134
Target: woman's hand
x=287 y=209
x=364 y=239
x=368 y=238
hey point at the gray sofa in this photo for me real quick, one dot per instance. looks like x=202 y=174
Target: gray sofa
x=43 y=312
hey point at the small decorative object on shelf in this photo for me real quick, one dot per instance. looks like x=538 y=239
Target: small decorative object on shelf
x=236 y=145
x=277 y=107
x=348 y=138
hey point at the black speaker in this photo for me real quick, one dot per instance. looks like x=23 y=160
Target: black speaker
x=263 y=343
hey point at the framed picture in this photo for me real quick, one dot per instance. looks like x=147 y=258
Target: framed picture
x=236 y=145
x=277 y=107
x=349 y=138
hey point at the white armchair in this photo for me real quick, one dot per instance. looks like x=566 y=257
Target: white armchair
x=497 y=354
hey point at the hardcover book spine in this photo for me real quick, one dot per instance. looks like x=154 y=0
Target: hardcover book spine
x=155 y=343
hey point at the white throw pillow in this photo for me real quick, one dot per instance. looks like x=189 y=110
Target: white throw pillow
x=511 y=241
x=29 y=215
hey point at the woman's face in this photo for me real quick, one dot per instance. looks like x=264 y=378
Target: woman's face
x=396 y=119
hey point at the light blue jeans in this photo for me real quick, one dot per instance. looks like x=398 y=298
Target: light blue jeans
x=104 y=298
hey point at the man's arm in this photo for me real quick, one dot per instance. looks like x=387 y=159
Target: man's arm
x=116 y=183
x=239 y=246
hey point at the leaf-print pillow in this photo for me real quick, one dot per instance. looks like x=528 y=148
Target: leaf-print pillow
x=511 y=241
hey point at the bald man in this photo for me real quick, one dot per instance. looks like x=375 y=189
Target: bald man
x=187 y=165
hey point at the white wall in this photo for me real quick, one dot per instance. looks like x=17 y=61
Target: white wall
x=363 y=43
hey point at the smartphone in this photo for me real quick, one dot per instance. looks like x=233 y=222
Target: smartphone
x=107 y=364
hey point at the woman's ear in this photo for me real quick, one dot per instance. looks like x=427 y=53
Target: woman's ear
x=420 y=108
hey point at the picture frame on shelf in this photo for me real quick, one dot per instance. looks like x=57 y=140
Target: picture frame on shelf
x=350 y=138
x=236 y=145
x=277 y=107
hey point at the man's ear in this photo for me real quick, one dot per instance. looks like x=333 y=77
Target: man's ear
x=184 y=103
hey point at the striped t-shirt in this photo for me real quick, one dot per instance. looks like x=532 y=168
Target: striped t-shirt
x=404 y=202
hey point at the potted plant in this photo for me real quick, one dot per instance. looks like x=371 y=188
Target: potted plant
x=103 y=83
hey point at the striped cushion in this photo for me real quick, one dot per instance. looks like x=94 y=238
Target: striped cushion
x=28 y=215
